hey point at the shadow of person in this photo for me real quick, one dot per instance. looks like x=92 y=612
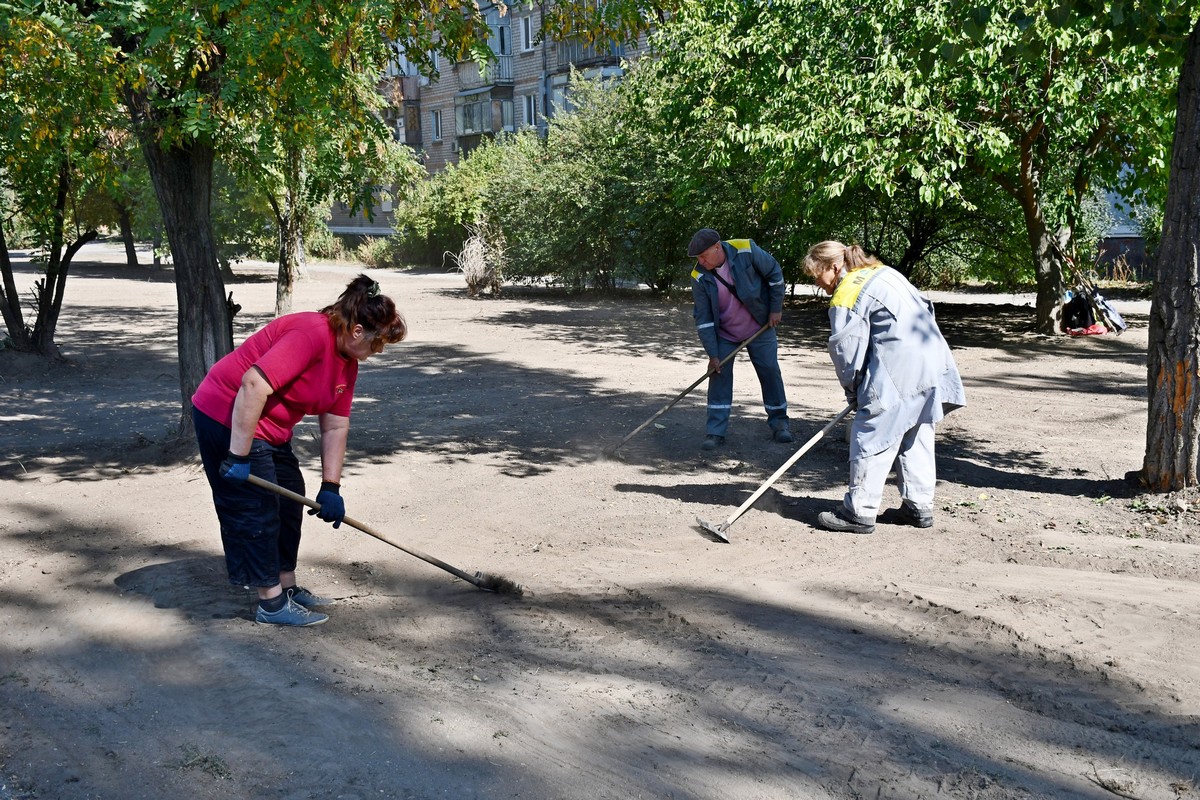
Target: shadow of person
x=195 y=586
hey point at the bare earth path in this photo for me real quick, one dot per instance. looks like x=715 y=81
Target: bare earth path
x=1042 y=640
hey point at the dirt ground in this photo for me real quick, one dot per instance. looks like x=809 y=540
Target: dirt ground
x=1042 y=640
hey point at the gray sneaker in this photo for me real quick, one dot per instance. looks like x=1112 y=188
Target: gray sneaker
x=839 y=520
x=306 y=598
x=292 y=613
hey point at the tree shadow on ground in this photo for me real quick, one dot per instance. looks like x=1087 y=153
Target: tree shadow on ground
x=193 y=585
x=458 y=404
x=145 y=271
x=640 y=324
x=893 y=696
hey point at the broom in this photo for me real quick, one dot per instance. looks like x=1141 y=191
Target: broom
x=485 y=581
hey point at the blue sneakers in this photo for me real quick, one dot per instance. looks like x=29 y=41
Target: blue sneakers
x=306 y=598
x=292 y=613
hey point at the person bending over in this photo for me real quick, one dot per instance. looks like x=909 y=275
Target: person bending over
x=738 y=288
x=897 y=370
x=244 y=412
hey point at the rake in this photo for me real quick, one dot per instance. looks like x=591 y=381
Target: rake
x=485 y=581
x=719 y=530
x=688 y=390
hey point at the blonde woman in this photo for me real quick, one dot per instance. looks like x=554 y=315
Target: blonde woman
x=896 y=368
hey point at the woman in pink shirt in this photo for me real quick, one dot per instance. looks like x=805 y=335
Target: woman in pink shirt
x=244 y=412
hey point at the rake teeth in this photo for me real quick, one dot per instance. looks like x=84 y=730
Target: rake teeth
x=716 y=531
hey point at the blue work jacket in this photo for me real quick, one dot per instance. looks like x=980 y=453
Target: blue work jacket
x=758 y=279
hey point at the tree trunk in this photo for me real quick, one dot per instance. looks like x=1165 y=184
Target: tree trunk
x=51 y=291
x=1047 y=264
x=46 y=288
x=10 y=301
x=285 y=282
x=289 y=218
x=182 y=178
x=1025 y=189
x=125 y=220
x=1173 y=424
x=1049 y=278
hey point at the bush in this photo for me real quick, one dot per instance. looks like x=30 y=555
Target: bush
x=377 y=253
x=481 y=260
x=320 y=242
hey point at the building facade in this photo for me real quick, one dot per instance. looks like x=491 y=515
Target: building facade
x=446 y=117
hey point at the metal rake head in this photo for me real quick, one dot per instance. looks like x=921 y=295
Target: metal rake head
x=715 y=532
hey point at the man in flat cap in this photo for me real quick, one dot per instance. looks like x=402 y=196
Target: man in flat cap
x=738 y=290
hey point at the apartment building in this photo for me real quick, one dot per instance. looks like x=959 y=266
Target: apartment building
x=523 y=85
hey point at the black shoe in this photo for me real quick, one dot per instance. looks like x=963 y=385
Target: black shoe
x=712 y=442
x=840 y=521
x=911 y=515
x=783 y=436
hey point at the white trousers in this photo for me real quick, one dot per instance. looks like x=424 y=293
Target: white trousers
x=916 y=474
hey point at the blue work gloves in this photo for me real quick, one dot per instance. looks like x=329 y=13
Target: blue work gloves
x=235 y=468
x=333 y=507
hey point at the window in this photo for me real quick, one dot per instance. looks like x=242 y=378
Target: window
x=473 y=115
x=435 y=125
x=527 y=34
x=399 y=65
x=529 y=109
x=505 y=46
x=506 y=115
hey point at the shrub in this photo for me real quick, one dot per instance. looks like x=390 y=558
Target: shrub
x=319 y=242
x=481 y=260
x=377 y=252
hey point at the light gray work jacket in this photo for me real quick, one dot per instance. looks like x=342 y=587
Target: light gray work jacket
x=890 y=357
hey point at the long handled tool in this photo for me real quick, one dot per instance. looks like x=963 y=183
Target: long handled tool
x=720 y=530
x=490 y=583
x=688 y=390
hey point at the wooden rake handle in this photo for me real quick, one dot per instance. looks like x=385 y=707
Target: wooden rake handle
x=788 y=464
x=362 y=526
x=689 y=389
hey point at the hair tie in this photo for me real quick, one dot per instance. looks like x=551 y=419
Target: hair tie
x=373 y=289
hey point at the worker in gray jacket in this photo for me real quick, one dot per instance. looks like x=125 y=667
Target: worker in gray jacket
x=738 y=290
x=897 y=370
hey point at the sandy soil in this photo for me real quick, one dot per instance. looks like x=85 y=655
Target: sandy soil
x=1042 y=640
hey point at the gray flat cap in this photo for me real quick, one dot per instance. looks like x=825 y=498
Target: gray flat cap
x=701 y=241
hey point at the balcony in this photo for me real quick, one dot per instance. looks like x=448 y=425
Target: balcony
x=576 y=52
x=497 y=71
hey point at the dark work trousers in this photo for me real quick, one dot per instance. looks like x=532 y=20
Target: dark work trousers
x=260 y=531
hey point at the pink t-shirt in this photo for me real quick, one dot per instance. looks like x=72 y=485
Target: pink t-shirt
x=737 y=324
x=298 y=355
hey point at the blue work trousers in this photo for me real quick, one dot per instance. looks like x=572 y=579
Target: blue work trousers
x=764 y=355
